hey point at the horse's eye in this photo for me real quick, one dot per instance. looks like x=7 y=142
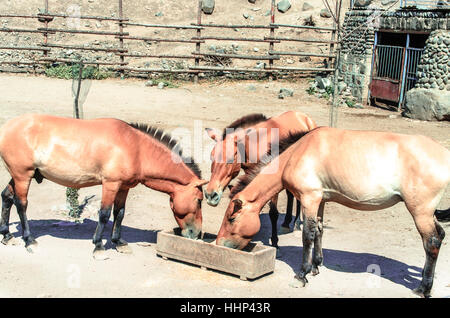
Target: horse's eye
x=199 y=203
x=231 y=219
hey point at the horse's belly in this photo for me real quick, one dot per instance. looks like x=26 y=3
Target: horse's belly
x=369 y=202
x=73 y=177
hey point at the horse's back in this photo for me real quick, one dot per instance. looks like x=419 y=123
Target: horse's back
x=367 y=166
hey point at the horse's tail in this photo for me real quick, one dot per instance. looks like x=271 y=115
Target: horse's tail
x=442 y=215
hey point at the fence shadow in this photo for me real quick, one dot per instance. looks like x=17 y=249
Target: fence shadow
x=343 y=261
x=84 y=230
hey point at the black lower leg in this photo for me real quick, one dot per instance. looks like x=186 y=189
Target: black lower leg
x=119 y=213
x=103 y=218
x=289 y=208
x=318 y=254
x=22 y=211
x=432 y=246
x=297 y=220
x=7 y=202
x=309 y=231
x=273 y=214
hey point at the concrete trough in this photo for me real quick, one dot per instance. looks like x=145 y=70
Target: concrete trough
x=254 y=261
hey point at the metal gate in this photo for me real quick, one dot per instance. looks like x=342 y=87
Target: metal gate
x=387 y=72
x=394 y=71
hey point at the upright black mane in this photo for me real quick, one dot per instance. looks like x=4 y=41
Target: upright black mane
x=283 y=144
x=166 y=139
x=248 y=120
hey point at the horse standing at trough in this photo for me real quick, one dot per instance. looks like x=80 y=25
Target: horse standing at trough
x=227 y=164
x=109 y=152
x=363 y=170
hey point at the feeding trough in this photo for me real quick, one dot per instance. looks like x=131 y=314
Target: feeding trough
x=252 y=262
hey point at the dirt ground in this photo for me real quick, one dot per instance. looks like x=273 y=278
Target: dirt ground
x=357 y=244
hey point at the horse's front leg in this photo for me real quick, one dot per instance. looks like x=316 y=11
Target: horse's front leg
x=7 y=202
x=285 y=227
x=119 y=213
x=273 y=214
x=109 y=192
x=310 y=207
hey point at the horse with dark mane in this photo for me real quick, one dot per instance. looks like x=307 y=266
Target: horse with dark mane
x=109 y=152
x=363 y=170
x=226 y=163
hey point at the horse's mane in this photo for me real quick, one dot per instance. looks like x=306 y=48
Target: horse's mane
x=283 y=144
x=166 y=139
x=247 y=120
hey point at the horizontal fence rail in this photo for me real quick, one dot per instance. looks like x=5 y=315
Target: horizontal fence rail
x=120 y=38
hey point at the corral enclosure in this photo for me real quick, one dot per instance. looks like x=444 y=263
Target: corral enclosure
x=367 y=254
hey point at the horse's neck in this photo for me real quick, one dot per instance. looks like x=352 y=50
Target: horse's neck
x=267 y=183
x=161 y=169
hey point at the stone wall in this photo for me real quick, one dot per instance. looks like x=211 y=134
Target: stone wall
x=358 y=36
x=433 y=70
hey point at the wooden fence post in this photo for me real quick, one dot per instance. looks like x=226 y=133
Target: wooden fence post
x=199 y=34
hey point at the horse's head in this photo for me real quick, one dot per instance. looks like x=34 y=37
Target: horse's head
x=239 y=225
x=225 y=165
x=186 y=204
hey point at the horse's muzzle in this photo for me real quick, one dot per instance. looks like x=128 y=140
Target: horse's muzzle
x=191 y=232
x=213 y=198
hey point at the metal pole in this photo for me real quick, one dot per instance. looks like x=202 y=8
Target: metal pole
x=46 y=26
x=272 y=34
x=199 y=35
x=122 y=58
x=77 y=95
x=335 y=102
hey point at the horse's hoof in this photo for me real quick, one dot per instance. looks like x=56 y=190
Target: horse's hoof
x=31 y=242
x=284 y=230
x=99 y=254
x=301 y=280
x=420 y=291
x=10 y=240
x=124 y=248
x=315 y=271
x=278 y=253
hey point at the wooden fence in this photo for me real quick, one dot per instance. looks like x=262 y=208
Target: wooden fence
x=198 y=40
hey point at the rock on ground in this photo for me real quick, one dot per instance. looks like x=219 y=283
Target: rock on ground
x=283 y=6
x=427 y=104
x=324 y=13
x=307 y=6
x=208 y=6
x=285 y=92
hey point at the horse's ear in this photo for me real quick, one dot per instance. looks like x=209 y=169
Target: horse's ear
x=237 y=205
x=200 y=183
x=230 y=187
x=213 y=133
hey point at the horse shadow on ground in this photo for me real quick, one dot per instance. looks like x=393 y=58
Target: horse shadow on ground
x=349 y=262
x=84 y=231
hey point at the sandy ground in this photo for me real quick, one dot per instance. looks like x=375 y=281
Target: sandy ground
x=357 y=245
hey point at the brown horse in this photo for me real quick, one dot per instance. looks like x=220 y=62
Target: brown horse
x=226 y=164
x=363 y=170
x=81 y=153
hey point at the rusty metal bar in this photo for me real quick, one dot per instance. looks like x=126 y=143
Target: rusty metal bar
x=159 y=40
x=237 y=56
x=299 y=40
x=302 y=27
x=29 y=48
x=187 y=27
x=272 y=32
x=83 y=17
x=220 y=38
x=319 y=69
x=8 y=15
x=154 y=70
x=84 y=31
x=237 y=26
x=302 y=54
x=199 y=34
x=162 y=56
x=121 y=42
x=227 y=69
x=85 y=48
x=23 y=30
x=51 y=59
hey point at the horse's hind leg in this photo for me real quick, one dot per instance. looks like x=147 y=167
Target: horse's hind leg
x=109 y=192
x=318 y=254
x=432 y=235
x=297 y=220
x=21 y=202
x=7 y=202
x=310 y=207
x=273 y=214
x=285 y=228
x=119 y=213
